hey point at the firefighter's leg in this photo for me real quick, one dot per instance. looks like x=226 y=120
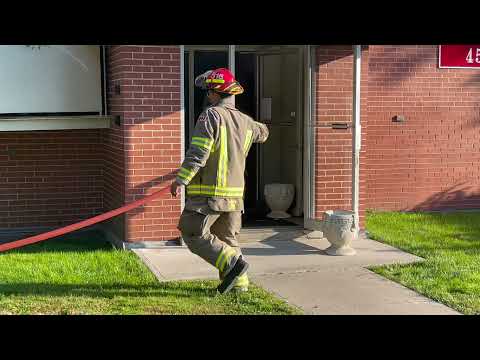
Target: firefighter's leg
x=195 y=228
x=226 y=228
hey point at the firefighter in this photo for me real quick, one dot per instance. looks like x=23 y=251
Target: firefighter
x=213 y=175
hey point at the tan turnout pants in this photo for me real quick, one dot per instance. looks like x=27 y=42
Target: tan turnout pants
x=209 y=235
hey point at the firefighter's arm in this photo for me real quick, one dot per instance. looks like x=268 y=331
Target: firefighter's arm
x=203 y=140
x=260 y=132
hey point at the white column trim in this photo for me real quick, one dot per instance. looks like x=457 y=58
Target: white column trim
x=309 y=141
x=356 y=136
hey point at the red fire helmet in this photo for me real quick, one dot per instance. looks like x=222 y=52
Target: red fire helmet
x=222 y=80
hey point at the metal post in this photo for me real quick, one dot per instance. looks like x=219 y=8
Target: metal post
x=191 y=93
x=356 y=143
x=231 y=58
x=231 y=62
x=105 y=85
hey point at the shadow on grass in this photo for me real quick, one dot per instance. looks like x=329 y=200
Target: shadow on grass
x=190 y=292
x=96 y=291
x=75 y=242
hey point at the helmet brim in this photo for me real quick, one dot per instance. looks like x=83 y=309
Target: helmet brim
x=233 y=89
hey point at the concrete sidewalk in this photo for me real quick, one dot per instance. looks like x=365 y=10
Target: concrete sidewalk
x=300 y=272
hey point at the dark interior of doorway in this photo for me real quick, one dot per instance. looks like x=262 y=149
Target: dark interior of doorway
x=245 y=73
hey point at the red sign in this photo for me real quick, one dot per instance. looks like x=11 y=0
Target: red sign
x=459 y=56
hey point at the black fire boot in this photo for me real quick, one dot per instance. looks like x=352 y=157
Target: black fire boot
x=238 y=269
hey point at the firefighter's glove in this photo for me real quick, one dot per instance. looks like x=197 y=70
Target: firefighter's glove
x=175 y=189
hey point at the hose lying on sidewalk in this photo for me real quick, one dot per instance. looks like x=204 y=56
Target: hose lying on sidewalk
x=84 y=223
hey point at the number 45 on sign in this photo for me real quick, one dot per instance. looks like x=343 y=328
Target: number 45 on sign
x=470 y=56
x=459 y=56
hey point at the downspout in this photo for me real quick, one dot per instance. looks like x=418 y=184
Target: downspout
x=231 y=62
x=356 y=143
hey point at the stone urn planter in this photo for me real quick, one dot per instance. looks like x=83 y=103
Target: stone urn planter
x=339 y=229
x=279 y=197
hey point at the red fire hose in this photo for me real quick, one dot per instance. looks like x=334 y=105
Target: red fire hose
x=82 y=224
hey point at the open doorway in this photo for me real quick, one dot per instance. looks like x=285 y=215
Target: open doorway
x=272 y=77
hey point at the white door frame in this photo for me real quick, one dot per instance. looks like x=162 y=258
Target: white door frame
x=309 y=139
x=182 y=115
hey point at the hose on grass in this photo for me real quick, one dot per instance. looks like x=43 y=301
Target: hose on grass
x=94 y=220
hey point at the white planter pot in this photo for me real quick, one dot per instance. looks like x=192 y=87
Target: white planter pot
x=338 y=228
x=279 y=198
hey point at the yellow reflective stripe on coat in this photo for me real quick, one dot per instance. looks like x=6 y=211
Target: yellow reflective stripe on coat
x=186 y=174
x=215 y=193
x=223 y=159
x=248 y=138
x=210 y=190
x=202 y=142
x=213 y=187
x=201 y=145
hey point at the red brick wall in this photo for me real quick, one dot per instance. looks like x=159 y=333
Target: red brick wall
x=431 y=161
x=333 y=154
x=49 y=178
x=149 y=104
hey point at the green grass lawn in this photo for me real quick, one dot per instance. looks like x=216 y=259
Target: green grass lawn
x=450 y=245
x=83 y=274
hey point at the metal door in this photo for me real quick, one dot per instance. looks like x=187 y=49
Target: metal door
x=279 y=104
